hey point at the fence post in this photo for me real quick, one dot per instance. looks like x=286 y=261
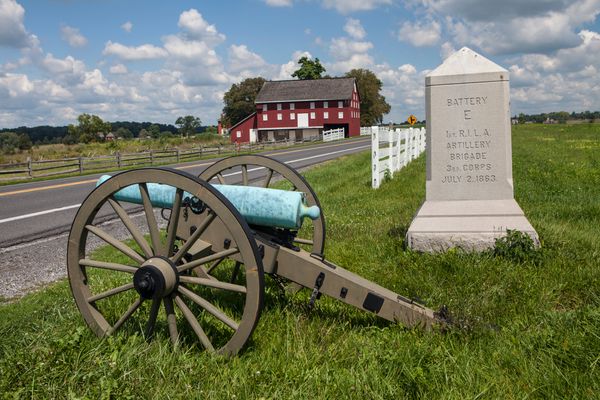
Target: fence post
x=391 y=151
x=375 y=157
x=118 y=158
x=151 y=157
x=177 y=150
x=29 y=167
x=201 y=150
x=80 y=165
x=406 y=146
x=398 y=149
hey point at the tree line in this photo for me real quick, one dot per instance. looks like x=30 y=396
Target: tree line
x=558 y=116
x=239 y=99
x=91 y=128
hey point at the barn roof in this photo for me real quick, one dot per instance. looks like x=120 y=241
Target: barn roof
x=304 y=90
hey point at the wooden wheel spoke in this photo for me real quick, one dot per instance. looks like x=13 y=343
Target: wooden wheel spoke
x=207 y=259
x=173 y=222
x=131 y=227
x=107 y=265
x=221 y=179
x=136 y=304
x=171 y=320
x=213 y=284
x=303 y=241
x=245 y=175
x=191 y=319
x=214 y=265
x=268 y=179
x=236 y=271
x=211 y=309
x=152 y=318
x=150 y=218
x=111 y=292
x=195 y=236
x=116 y=243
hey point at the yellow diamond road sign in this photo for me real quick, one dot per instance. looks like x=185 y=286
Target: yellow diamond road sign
x=412 y=120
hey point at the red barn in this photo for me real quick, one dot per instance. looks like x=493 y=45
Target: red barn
x=301 y=109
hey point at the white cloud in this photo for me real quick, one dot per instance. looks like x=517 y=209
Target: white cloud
x=196 y=27
x=513 y=26
x=342 y=48
x=349 y=6
x=447 y=50
x=132 y=53
x=12 y=29
x=240 y=58
x=118 y=69
x=127 y=26
x=279 y=3
x=355 y=29
x=72 y=36
x=420 y=34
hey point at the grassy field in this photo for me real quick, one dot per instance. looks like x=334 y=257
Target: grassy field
x=526 y=328
x=57 y=151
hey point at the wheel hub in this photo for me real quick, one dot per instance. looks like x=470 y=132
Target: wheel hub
x=156 y=278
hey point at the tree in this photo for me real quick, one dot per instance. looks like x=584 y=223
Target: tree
x=154 y=131
x=143 y=134
x=9 y=142
x=24 y=142
x=372 y=103
x=124 y=133
x=88 y=128
x=310 y=69
x=239 y=100
x=188 y=125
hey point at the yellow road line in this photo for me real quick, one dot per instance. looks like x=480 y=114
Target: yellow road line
x=62 y=185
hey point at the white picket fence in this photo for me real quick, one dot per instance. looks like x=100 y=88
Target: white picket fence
x=365 y=130
x=333 y=134
x=393 y=149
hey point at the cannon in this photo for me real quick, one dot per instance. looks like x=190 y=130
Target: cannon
x=207 y=266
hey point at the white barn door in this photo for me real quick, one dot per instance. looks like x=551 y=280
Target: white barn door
x=303 y=120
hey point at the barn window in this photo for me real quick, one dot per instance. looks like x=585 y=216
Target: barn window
x=341 y=115
x=325 y=104
x=340 y=104
x=265 y=117
x=312 y=115
x=264 y=107
x=279 y=117
x=325 y=115
x=292 y=106
x=292 y=115
x=238 y=134
x=278 y=106
x=312 y=105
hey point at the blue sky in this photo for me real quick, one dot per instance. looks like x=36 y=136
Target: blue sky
x=155 y=60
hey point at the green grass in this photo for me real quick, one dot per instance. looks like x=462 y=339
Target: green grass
x=528 y=329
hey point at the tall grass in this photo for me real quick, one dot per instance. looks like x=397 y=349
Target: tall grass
x=524 y=329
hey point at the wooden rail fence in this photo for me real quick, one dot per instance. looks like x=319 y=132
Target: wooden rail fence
x=79 y=165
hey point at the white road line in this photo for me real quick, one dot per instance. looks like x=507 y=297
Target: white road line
x=37 y=214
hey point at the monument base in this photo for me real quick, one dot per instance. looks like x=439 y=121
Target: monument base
x=473 y=225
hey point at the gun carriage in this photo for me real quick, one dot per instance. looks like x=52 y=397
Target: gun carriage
x=207 y=267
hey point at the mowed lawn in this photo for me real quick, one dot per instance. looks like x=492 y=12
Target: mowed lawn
x=525 y=328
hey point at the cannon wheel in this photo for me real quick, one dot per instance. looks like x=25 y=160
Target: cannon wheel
x=217 y=173
x=149 y=272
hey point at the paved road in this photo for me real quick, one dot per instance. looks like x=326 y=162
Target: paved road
x=36 y=210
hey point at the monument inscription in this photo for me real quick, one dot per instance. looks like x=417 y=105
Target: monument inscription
x=469 y=198
x=469 y=150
